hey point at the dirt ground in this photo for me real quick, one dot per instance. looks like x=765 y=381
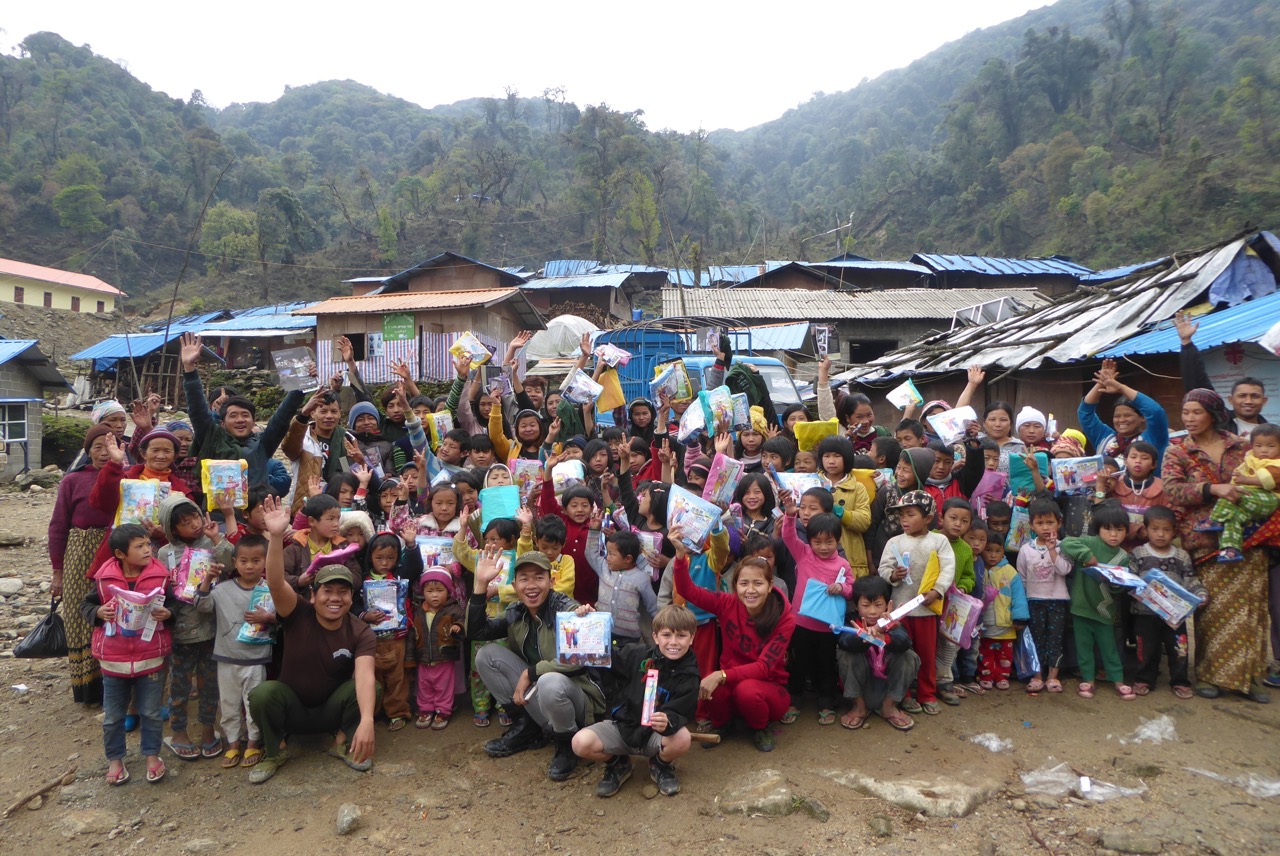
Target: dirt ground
x=438 y=789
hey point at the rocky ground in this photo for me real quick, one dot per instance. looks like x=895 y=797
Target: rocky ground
x=824 y=790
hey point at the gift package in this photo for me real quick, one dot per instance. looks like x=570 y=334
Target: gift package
x=258 y=634
x=472 y=347
x=387 y=597
x=579 y=388
x=584 y=640
x=692 y=515
x=950 y=425
x=225 y=483
x=1166 y=598
x=722 y=480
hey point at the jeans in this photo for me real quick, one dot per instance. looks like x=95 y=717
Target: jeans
x=147 y=694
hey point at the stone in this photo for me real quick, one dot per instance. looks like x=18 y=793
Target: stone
x=881 y=826
x=1125 y=841
x=201 y=845
x=170 y=826
x=933 y=797
x=763 y=792
x=814 y=808
x=9 y=586
x=90 y=821
x=1045 y=801
x=348 y=818
x=35 y=488
x=44 y=478
x=650 y=791
x=1018 y=805
x=76 y=793
x=398 y=771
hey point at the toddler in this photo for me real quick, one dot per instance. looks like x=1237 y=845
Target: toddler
x=387 y=560
x=1005 y=615
x=437 y=632
x=1093 y=603
x=623 y=588
x=876 y=677
x=957 y=517
x=1043 y=569
x=1256 y=480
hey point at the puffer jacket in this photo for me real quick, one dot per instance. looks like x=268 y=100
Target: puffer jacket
x=190 y=625
x=128 y=656
x=435 y=645
x=303 y=450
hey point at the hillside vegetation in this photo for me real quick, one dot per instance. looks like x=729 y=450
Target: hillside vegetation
x=1108 y=130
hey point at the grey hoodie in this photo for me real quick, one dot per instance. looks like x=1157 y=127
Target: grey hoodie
x=189 y=624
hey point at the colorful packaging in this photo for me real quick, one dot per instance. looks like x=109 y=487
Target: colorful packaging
x=612 y=355
x=296 y=368
x=1166 y=598
x=1116 y=576
x=650 y=697
x=579 y=388
x=722 y=480
x=904 y=395
x=741 y=412
x=960 y=616
x=824 y=608
x=1019 y=529
x=437 y=425
x=650 y=542
x=1022 y=482
x=497 y=503
x=717 y=409
x=692 y=425
x=133 y=611
x=506 y=568
x=810 y=434
x=388 y=597
x=672 y=378
x=258 y=634
x=950 y=425
x=469 y=345
x=225 y=483
x=566 y=474
x=693 y=515
x=436 y=550
x=1076 y=475
x=527 y=475
x=140 y=501
x=584 y=640
x=190 y=573
x=888 y=621
x=861 y=632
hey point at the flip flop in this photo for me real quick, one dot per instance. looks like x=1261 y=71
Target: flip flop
x=792 y=714
x=251 y=757
x=853 y=721
x=185 y=751
x=1141 y=689
x=231 y=758
x=1085 y=690
x=117 y=779
x=480 y=720
x=1184 y=692
x=826 y=716
x=156 y=773
x=397 y=723
x=212 y=749
x=424 y=720
x=1053 y=685
x=900 y=721
x=1035 y=685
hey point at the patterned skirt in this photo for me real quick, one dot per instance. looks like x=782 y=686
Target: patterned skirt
x=86 y=679
x=1233 y=629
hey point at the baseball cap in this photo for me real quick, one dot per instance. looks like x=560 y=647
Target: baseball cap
x=334 y=574
x=915 y=499
x=534 y=557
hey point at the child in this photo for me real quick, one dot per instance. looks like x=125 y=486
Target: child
x=1031 y=427
x=910 y=473
x=1005 y=615
x=387 y=561
x=622 y=586
x=755 y=495
x=666 y=736
x=241 y=665
x=319 y=538
x=852 y=504
x=547 y=537
x=355 y=527
x=999 y=522
x=968 y=659
x=1043 y=569
x=910 y=434
x=806 y=461
x=503 y=534
x=920 y=562
x=249 y=521
x=444 y=503
x=1256 y=480
x=751 y=441
x=1093 y=607
x=133 y=668
x=454 y=448
x=576 y=515
x=1154 y=635
x=813 y=645
x=437 y=631
x=886 y=452
x=192 y=663
x=1138 y=488
x=778 y=452
x=481 y=451
x=957 y=516
x=876 y=678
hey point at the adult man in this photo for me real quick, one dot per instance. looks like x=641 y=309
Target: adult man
x=326 y=682
x=317 y=445
x=232 y=435
x=546 y=694
x=1248 y=395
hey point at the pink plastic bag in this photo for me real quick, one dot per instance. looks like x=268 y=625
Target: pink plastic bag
x=960 y=616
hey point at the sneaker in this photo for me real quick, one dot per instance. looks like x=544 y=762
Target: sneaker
x=948 y=695
x=1272 y=681
x=910 y=705
x=1230 y=554
x=525 y=733
x=663 y=774
x=343 y=754
x=765 y=741
x=267 y=767
x=616 y=773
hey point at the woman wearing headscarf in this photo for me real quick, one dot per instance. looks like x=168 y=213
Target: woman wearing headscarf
x=112 y=414
x=1134 y=417
x=1233 y=623
x=76 y=530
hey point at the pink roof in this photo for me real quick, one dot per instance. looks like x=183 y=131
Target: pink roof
x=62 y=277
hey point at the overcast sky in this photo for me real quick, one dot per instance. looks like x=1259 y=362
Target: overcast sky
x=687 y=64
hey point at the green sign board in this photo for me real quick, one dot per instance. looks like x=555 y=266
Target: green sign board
x=397 y=328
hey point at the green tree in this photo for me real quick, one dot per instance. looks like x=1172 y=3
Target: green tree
x=228 y=237
x=643 y=221
x=80 y=208
x=1060 y=65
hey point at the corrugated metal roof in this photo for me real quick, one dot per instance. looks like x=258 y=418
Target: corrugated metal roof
x=272 y=309
x=591 y=280
x=796 y=303
x=27 y=353
x=1121 y=272
x=569 y=267
x=736 y=273
x=629 y=268
x=868 y=264
x=1075 y=327
x=426 y=301
x=1245 y=322
x=282 y=322
x=187 y=322
x=365 y=279
x=773 y=337
x=1000 y=267
x=122 y=346
x=400 y=280
x=12 y=267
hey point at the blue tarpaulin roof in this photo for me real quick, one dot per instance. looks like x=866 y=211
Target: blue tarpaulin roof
x=1000 y=267
x=29 y=356
x=1244 y=322
x=187 y=322
x=122 y=346
x=1119 y=272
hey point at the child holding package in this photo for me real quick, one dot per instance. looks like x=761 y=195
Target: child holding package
x=1093 y=608
x=193 y=631
x=502 y=534
x=876 y=677
x=671 y=705
x=623 y=588
x=957 y=517
x=547 y=537
x=241 y=666
x=1154 y=635
x=1043 y=569
x=1005 y=615
x=389 y=560
x=437 y=631
x=813 y=645
x=920 y=562
x=133 y=666
x=1256 y=480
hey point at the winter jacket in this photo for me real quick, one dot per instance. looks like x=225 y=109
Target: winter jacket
x=298 y=557
x=810 y=567
x=1007 y=604
x=622 y=594
x=302 y=448
x=121 y=655
x=434 y=643
x=190 y=625
x=853 y=507
x=217 y=444
x=964 y=483
x=585 y=584
x=678 y=682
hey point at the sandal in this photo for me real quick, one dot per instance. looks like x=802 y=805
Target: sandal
x=119 y=777
x=854 y=721
x=1053 y=685
x=1141 y=689
x=983 y=686
x=1184 y=692
x=185 y=751
x=826 y=716
x=156 y=773
x=910 y=705
x=792 y=714
x=231 y=758
x=975 y=687
x=251 y=757
x=1035 y=685
x=212 y=749
x=930 y=708
x=900 y=721
x=1126 y=692
x=504 y=719
x=424 y=720
x=441 y=722
x=1002 y=685
x=1085 y=690
x=397 y=723
x=480 y=720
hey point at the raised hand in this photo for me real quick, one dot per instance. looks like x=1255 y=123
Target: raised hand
x=462 y=365
x=401 y=370
x=335 y=382
x=487 y=569
x=353 y=450
x=115 y=450
x=315 y=487
x=597 y=516
x=141 y=416
x=363 y=474
x=724 y=444
x=275 y=517
x=977 y=374
x=772 y=431
x=346 y=349
x=824 y=369
x=1185 y=326
x=189 y=351
x=554 y=431
x=584 y=344
x=525 y=516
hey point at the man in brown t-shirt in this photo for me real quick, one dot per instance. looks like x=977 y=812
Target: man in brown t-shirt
x=326 y=680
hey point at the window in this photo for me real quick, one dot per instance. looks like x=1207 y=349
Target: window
x=48 y=300
x=19 y=294
x=102 y=306
x=13 y=422
x=357 y=347
x=75 y=304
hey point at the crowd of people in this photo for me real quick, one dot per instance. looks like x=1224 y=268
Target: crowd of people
x=370 y=573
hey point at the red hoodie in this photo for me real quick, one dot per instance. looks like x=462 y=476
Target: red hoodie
x=745 y=656
x=586 y=585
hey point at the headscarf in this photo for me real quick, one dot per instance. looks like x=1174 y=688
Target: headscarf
x=1067 y=444
x=1211 y=402
x=175 y=427
x=94 y=433
x=759 y=423
x=103 y=409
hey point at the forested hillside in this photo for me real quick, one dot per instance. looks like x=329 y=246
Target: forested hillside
x=1109 y=130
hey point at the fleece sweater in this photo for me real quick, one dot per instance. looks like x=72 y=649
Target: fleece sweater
x=918 y=550
x=1042 y=578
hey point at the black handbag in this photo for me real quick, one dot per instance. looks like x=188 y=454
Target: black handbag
x=47 y=639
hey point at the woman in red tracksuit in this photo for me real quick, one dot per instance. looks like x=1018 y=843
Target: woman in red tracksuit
x=755 y=625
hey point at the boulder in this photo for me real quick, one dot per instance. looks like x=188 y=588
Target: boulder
x=44 y=478
x=763 y=792
x=90 y=821
x=9 y=586
x=936 y=796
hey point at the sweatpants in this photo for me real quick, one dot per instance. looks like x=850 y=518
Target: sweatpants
x=1091 y=634
x=1253 y=504
x=997 y=659
x=436 y=682
x=234 y=685
x=481 y=701
x=388 y=671
x=1156 y=638
x=757 y=702
x=706 y=650
x=278 y=711
x=1048 y=627
x=558 y=704
x=923 y=631
x=193 y=663
x=813 y=654
x=899 y=671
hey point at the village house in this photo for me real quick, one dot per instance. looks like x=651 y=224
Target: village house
x=33 y=285
x=26 y=375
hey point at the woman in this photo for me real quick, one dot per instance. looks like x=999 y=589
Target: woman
x=997 y=424
x=112 y=414
x=756 y=625
x=1232 y=624
x=1135 y=416
x=76 y=530
x=795 y=413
